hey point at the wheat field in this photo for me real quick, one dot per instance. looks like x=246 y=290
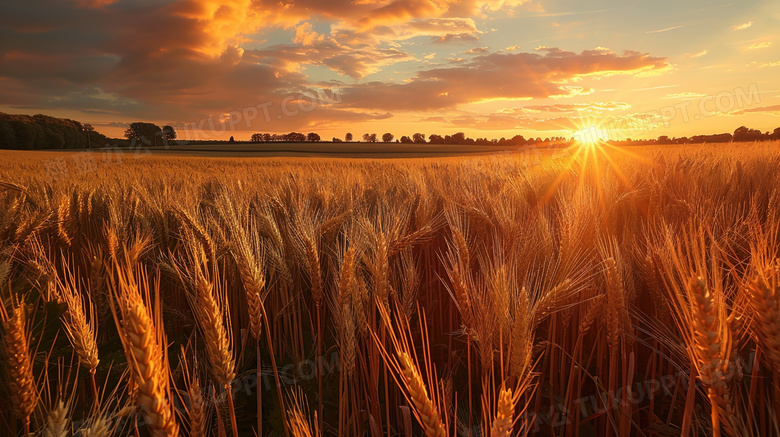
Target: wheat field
x=609 y=292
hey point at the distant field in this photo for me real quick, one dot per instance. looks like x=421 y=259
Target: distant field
x=568 y=292
x=352 y=149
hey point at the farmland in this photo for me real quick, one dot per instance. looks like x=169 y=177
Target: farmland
x=602 y=290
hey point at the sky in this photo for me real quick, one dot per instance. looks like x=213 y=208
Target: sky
x=490 y=69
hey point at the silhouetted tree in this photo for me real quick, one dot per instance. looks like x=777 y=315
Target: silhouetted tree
x=146 y=133
x=256 y=138
x=312 y=137
x=406 y=140
x=348 y=137
x=88 y=129
x=294 y=137
x=776 y=134
x=231 y=140
x=518 y=140
x=719 y=138
x=168 y=132
x=388 y=137
x=436 y=139
x=745 y=134
x=418 y=138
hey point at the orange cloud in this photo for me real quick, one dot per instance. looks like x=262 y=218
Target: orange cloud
x=498 y=76
x=769 y=109
x=306 y=36
x=695 y=54
x=760 y=45
x=94 y=4
x=742 y=26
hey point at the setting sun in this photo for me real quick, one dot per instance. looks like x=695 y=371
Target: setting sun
x=590 y=136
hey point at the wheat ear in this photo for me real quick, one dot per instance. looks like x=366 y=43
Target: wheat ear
x=215 y=336
x=712 y=348
x=348 y=288
x=298 y=417
x=57 y=421
x=21 y=385
x=99 y=427
x=426 y=410
x=505 y=411
x=144 y=344
x=766 y=302
x=79 y=322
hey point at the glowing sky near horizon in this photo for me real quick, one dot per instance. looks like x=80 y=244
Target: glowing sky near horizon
x=487 y=68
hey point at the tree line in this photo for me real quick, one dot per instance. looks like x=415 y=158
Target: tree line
x=417 y=138
x=29 y=132
x=292 y=137
x=741 y=134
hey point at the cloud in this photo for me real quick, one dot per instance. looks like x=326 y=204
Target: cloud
x=695 y=55
x=770 y=109
x=353 y=61
x=499 y=76
x=666 y=29
x=461 y=37
x=760 y=45
x=685 y=95
x=94 y=4
x=742 y=26
x=575 y=13
x=476 y=50
x=597 y=107
x=306 y=36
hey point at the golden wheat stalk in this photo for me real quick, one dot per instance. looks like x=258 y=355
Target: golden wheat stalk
x=505 y=412
x=348 y=290
x=62 y=220
x=253 y=278
x=56 y=424
x=79 y=322
x=197 y=409
x=616 y=305
x=99 y=426
x=200 y=233
x=765 y=300
x=21 y=385
x=425 y=409
x=380 y=270
x=196 y=405
x=216 y=338
x=141 y=333
x=712 y=348
x=594 y=311
x=313 y=269
x=298 y=417
x=521 y=336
